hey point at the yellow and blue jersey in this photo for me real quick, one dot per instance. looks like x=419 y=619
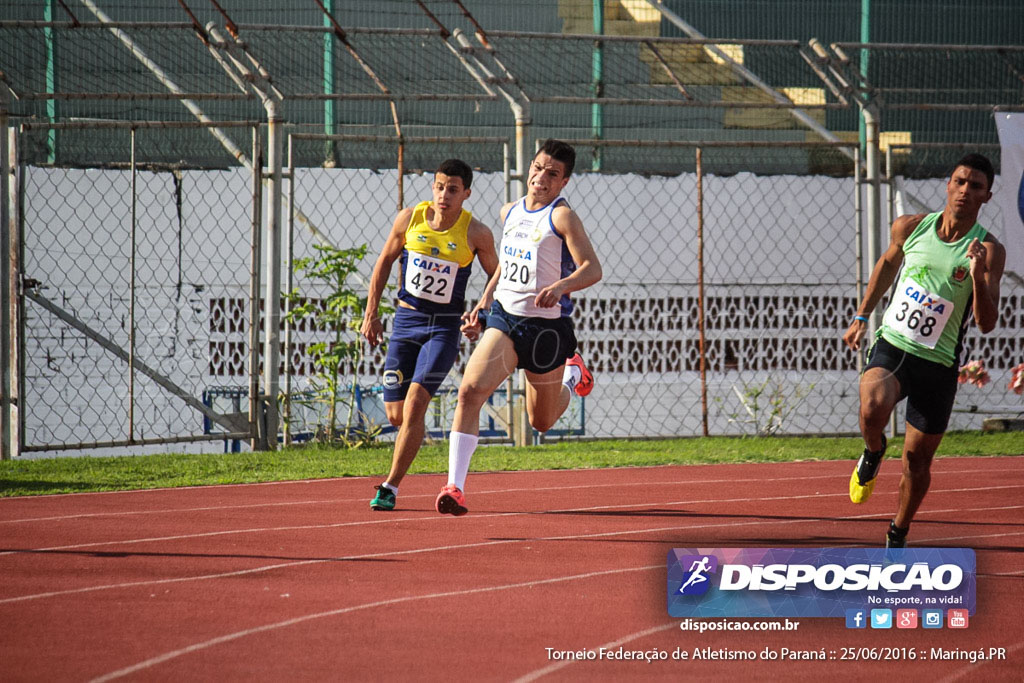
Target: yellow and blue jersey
x=435 y=264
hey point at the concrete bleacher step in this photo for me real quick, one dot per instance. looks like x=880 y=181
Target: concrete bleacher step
x=831 y=162
x=700 y=66
x=885 y=139
x=621 y=17
x=692 y=64
x=770 y=118
x=681 y=53
x=612 y=27
x=635 y=10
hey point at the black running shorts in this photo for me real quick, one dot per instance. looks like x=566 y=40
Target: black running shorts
x=541 y=344
x=929 y=387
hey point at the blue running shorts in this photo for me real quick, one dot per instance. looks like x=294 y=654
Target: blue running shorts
x=422 y=349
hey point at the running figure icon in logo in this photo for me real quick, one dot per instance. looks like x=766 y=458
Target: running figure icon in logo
x=696 y=582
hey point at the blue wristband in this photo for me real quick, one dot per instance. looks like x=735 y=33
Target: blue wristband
x=860 y=318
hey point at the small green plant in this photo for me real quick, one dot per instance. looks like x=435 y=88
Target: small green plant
x=337 y=361
x=361 y=435
x=766 y=404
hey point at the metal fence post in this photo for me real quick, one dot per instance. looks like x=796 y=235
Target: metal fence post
x=272 y=293
x=257 y=426
x=700 y=295
x=873 y=203
x=5 y=289
x=132 y=289
x=289 y=259
x=16 y=204
x=858 y=248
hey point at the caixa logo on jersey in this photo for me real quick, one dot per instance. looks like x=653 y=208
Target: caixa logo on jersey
x=816 y=582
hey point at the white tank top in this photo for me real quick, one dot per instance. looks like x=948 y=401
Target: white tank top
x=533 y=256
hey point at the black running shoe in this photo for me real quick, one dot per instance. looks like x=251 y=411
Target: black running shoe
x=862 y=481
x=896 y=537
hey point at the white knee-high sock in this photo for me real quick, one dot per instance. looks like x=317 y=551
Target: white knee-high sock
x=571 y=376
x=460 y=452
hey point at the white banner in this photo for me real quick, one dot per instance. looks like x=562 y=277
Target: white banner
x=1009 y=193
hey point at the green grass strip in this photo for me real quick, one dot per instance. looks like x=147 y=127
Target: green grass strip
x=71 y=475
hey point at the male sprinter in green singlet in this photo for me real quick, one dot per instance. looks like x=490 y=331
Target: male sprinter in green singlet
x=951 y=270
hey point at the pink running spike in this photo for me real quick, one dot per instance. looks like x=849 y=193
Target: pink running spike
x=451 y=501
x=586 y=383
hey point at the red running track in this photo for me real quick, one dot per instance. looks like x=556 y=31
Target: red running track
x=302 y=581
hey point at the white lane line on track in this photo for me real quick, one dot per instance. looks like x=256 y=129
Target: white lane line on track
x=334 y=480
x=431 y=496
x=388 y=520
x=551 y=668
x=195 y=647
x=171 y=511
x=686 y=482
x=328 y=480
x=416 y=551
x=126 y=492
x=925 y=541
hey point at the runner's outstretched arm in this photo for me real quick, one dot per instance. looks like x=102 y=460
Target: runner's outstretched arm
x=882 y=276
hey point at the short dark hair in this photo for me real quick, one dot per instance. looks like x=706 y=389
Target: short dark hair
x=978 y=162
x=560 y=151
x=457 y=167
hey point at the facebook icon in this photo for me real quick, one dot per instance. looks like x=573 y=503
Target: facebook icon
x=856 y=618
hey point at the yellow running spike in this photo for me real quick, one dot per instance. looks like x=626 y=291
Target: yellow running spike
x=860 y=494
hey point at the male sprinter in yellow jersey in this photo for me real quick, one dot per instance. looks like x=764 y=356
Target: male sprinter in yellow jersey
x=435 y=242
x=545 y=255
x=951 y=268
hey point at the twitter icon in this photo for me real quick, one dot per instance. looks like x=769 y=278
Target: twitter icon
x=881 y=618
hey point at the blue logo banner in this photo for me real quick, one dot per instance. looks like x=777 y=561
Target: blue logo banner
x=817 y=582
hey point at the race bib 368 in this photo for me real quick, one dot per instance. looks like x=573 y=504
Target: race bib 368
x=918 y=314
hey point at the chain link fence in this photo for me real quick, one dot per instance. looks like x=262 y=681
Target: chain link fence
x=777 y=269
x=778 y=275
x=778 y=290
x=728 y=281
x=347 y=207
x=135 y=277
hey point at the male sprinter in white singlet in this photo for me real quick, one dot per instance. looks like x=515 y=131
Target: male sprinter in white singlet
x=545 y=254
x=435 y=243
x=950 y=271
